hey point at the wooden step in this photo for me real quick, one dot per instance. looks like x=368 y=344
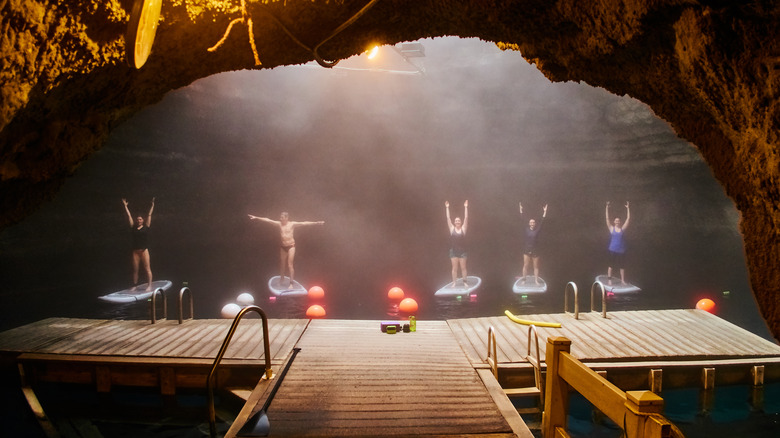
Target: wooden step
x=530 y=391
x=528 y=411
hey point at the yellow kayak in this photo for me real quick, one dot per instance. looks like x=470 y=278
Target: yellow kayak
x=528 y=322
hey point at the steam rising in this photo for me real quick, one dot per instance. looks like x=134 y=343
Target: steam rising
x=375 y=154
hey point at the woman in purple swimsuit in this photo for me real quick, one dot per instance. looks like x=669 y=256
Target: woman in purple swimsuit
x=617 y=245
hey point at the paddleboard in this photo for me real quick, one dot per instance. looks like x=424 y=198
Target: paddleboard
x=278 y=288
x=458 y=289
x=527 y=285
x=138 y=293
x=617 y=286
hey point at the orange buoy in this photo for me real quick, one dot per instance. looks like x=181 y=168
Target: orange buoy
x=316 y=293
x=395 y=293
x=706 y=304
x=408 y=305
x=315 y=311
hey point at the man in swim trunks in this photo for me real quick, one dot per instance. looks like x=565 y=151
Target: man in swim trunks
x=287 y=249
x=531 y=235
x=617 y=246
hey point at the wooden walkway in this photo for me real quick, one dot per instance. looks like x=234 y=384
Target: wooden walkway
x=350 y=379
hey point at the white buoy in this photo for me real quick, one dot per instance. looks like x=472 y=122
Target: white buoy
x=230 y=310
x=245 y=299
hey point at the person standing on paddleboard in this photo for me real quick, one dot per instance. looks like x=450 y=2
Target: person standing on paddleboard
x=140 y=243
x=617 y=244
x=530 y=239
x=287 y=249
x=458 y=242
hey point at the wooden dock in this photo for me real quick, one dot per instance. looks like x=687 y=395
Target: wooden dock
x=350 y=379
x=628 y=344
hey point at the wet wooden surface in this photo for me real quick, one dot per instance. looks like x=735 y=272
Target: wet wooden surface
x=350 y=379
x=646 y=335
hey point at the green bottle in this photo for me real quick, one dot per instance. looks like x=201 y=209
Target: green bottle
x=412 y=324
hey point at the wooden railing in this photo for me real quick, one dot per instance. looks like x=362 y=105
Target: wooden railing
x=638 y=413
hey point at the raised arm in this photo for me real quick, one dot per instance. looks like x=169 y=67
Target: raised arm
x=465 y=216
x=127 y=210
x=521 y=208
x=628 y=216
x=606 y=214
x=544 y=211
x=264 y=219
x=298 y=224
x=449 y=221
x=149 y=216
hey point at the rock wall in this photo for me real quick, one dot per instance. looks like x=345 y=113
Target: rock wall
x=710 y=68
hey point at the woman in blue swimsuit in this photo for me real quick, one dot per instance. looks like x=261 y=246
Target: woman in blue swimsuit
x=617 y=245
x=140 y=240
x=458 y=242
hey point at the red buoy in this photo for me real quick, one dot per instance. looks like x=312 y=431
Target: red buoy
x=395 y=293
x=316 y=293
x=315 y=311
x=706 y=304
x=408 y=305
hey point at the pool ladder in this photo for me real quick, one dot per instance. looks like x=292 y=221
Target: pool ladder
x=571 y=289
x=531 y=391
x=218 y=359
x=185 y=291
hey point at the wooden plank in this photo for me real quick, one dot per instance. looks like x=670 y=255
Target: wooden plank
x=504 y=405
x=378 y=384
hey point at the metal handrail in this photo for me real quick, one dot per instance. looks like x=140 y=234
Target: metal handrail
x=573 y=287
x=603 y=298
x=218 y=359
x=536 y=362
x=494 y=361
x=153 y=307
x=192 y=307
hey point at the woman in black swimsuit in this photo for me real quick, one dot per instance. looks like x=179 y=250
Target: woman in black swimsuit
x=530 y=240
x=140 y=243
x=457 y=242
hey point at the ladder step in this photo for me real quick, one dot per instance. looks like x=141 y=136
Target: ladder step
x=522 y=392
x=528 y=411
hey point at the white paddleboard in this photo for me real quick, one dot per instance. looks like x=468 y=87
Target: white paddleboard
x=138 y=293
x=278 y=288
x=617 y=286
x=459 y=289
x=527 y=285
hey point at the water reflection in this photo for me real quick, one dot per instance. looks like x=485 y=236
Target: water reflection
x=288 y=307
x=458 y=306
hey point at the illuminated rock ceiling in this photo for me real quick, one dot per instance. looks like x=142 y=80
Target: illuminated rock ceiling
x=710 y=68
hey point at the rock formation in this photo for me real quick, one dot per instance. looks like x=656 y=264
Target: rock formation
x=710 y=68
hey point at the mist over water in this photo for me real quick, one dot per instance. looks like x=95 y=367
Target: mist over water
x=375 y=155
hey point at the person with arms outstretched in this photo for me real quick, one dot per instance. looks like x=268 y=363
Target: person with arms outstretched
x=530 y=240
x=287 y=249
x=617 y=244
x=140 y=243
x=457 y=230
